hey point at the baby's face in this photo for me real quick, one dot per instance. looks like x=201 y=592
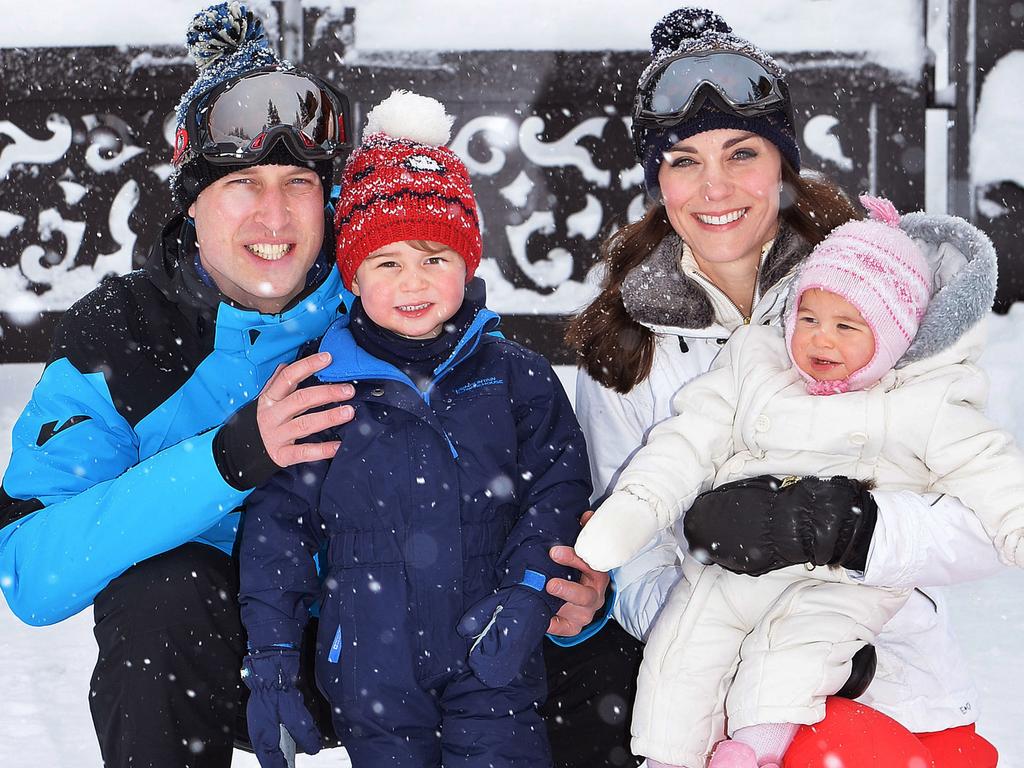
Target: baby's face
x=831 y=340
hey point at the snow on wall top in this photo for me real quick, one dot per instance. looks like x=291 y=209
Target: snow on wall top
x=888 y=32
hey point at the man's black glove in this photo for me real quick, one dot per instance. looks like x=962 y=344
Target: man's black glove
x=762 y=524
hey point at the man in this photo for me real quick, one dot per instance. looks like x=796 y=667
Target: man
x=173 y=391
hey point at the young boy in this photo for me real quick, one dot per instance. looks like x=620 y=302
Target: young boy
x=836 y=396
x=463 y=465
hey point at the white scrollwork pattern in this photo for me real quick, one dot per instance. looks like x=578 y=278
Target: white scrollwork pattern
x=500 y=134
x=565 y=151
x=26 y=149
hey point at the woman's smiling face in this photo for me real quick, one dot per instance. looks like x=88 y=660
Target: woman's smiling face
x=721 y=191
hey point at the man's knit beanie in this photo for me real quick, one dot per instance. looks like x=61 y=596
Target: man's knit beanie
x=696 y=31
x=403 y=183
x=226 y=41
x=875 y=266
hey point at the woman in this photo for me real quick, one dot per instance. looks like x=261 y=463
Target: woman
x=713 y=129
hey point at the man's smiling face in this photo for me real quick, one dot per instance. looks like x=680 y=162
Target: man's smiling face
x=259 y=231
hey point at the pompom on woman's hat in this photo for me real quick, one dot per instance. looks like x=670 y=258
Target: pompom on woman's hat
x=694 y=31
x=878 y=268
x=403 y=183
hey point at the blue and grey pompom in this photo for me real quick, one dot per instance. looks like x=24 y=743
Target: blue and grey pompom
x=221 y=30
x=685 y=24
x=226 y=41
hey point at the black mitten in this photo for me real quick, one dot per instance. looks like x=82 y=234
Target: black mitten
x=762 y=524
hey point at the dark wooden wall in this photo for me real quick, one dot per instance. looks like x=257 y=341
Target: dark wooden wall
x=544 y=133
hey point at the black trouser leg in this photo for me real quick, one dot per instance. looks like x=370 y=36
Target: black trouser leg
x=166 y=689
x=591 y=688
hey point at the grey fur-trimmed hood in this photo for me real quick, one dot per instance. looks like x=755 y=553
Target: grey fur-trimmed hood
x=964 y=272
x=657 y=293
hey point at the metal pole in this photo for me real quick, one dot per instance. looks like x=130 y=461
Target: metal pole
x=941 y=101
x=292 y=43
x=963 y=74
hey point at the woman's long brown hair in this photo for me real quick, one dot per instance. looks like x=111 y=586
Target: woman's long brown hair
x=615 y=349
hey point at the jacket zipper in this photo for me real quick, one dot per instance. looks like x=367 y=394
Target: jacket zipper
x=746 y=318
x=425 y=394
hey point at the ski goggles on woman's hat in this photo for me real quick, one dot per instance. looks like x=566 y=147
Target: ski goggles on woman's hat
x=239 y=121
x=678 y=87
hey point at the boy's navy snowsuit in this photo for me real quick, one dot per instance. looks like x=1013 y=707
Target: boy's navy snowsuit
x=439 y=497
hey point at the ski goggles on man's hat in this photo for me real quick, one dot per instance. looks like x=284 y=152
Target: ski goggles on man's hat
x=240 y=120
x=674 y=90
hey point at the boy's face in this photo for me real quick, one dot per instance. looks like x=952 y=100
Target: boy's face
x=831 y=339
x=409 y=291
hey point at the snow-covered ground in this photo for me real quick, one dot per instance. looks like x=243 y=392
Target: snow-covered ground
x=45 y=670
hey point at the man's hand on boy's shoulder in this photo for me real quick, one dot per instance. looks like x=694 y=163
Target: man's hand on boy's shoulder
x=286 y=414
x=583 y=598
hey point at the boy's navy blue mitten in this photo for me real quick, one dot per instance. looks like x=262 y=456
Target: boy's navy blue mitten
x=506 y=627
x=271 y=675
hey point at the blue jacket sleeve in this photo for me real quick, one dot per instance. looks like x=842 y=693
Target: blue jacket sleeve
x=281 y=535
x=554 y=481
x=78 y=507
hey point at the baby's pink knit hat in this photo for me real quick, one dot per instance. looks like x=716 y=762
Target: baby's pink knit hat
x=875 y=266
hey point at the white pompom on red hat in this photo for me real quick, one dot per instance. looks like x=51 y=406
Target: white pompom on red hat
x=407 y=115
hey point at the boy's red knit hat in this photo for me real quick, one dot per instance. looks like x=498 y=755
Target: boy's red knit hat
x=403 y=183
